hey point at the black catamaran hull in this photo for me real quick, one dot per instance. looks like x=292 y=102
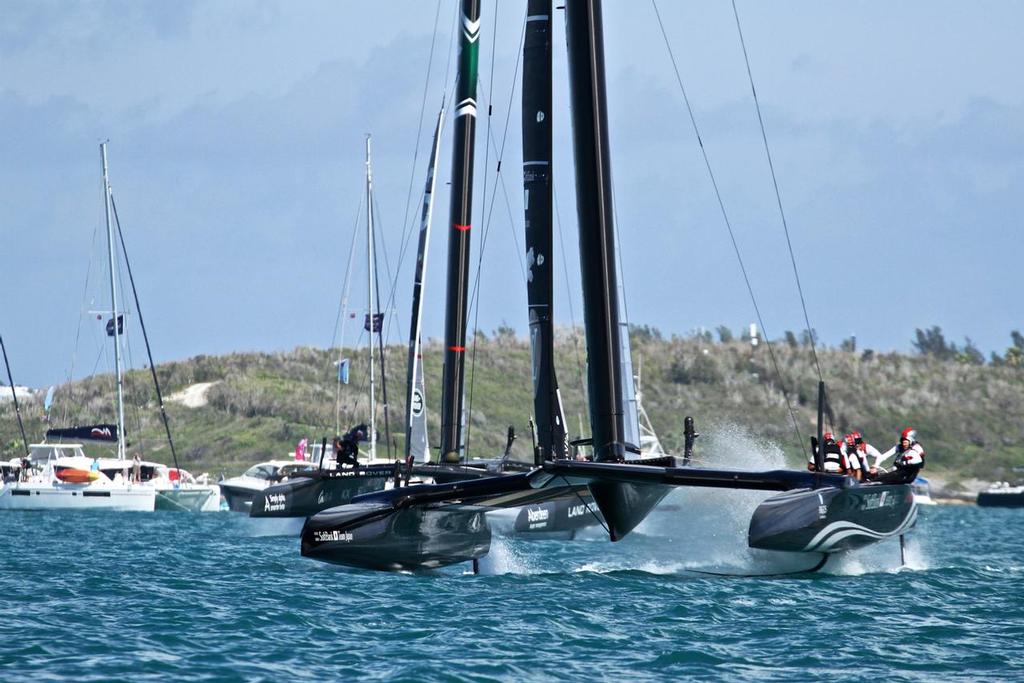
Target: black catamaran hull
x=377 y=536
x=308 y=495
x=1001 y=499
x=560 y=518
x=829 y=520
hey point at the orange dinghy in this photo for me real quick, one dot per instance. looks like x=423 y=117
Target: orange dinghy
x=73 y=475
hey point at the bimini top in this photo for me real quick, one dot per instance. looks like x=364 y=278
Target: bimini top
x=43 y=452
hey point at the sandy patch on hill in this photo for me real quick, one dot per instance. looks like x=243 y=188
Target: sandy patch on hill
x=193 y=396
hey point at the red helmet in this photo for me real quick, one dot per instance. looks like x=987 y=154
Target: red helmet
x=910 y=434
x=827 y=436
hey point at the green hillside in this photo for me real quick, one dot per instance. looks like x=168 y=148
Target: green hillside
x=970 y=416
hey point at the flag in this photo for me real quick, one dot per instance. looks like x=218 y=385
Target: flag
x=121 y=326
x=343 y=370
x=49 y=399
x=378 y=320
x=300 y=450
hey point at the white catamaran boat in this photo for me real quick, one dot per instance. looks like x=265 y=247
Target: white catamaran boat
x=62 y=477
x=59 y=475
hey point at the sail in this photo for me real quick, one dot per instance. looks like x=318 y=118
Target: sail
x=103 y=433
x=417 y=429
x=537 y=196
x=416 y=401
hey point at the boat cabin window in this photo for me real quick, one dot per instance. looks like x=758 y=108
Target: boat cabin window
x=262 y=471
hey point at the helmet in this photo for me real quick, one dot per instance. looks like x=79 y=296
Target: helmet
x=827 y=436
x=857 y=438
x=909 y=434
x=850 y=440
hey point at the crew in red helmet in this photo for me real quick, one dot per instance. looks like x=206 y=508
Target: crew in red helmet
x=857 y=467
x=833 y=460
x=908 y=459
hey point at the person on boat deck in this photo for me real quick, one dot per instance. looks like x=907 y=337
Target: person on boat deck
x=346 y=447
x=95 y=466
x=136 y=469
x=865 y=453
x=908 y=461
x=855 y=463
x=833 y=460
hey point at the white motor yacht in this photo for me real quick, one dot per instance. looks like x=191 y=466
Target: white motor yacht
x=239 y=491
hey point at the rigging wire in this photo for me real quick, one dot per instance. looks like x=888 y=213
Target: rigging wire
x=380 y=337
x=142 y=324
x=728 y=225
x=569 y=290
x=342 y=317
x=778 y=196
x=419 y=125
x=78 y=332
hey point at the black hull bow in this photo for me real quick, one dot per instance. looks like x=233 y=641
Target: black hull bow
x=830 y=520
x=377 y=536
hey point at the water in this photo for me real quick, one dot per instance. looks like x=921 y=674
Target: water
x=135 y=596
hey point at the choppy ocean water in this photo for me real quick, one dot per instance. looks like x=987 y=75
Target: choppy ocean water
x=126 y=596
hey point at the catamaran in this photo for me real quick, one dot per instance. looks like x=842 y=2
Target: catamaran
x=430 y=526
x=60 y=475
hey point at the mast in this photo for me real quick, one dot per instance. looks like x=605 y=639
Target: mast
x=14 y=395
x=415 y=399
x=460 y=221
x=113 y=307
x=536 y=123
x=372 y=436
x=584 y=35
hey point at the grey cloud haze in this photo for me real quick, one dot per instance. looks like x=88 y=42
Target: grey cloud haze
x=236 y=160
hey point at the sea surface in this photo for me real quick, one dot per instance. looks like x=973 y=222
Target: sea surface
x=170 y=596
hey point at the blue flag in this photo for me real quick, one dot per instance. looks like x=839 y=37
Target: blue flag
x=343 y=370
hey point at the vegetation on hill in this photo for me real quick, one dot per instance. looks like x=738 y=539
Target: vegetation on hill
x=969 y=413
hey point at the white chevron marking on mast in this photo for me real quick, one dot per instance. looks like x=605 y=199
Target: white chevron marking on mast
x=466 y=107
x=471 y=28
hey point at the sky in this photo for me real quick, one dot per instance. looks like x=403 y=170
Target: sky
x=236 y=147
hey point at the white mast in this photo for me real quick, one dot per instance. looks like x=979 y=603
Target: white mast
x=372 y=436
x=113 y=307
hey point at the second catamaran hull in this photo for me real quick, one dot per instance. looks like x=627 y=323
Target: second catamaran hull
x=188 y=498
x=829 y=520
x=375 y=536
x=561 y=518
x=281 y=509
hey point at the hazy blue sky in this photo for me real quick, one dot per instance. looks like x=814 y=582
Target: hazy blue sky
x=236 y=143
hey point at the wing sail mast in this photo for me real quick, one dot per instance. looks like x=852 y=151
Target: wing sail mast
x=460 y=223
x=415 y=400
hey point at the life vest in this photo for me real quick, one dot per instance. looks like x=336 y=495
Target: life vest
x=903 y=455
x=833 y=460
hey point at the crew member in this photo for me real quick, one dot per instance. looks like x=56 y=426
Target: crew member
x=868 y=455
x=908 y=461
x=346 y=448
x=856 y=464
x=833 y=460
